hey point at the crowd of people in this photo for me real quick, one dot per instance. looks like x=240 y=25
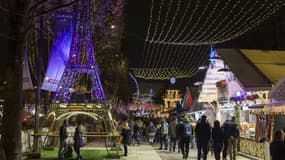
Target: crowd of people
x=178 y=132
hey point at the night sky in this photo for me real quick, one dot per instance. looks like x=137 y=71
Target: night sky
x=268 y=35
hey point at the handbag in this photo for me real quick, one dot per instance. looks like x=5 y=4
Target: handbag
x=121 y=140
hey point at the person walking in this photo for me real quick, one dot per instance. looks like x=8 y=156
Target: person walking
x=151 y=132
x=179 y=133
x=186 y=137
x=277 y=147
x=126 y=135
x=78 y=139
x=218 y=139
x=131 y=126
x=231 y=137
x=203 y=133
x=172 y=135
x=164 y=135
x=62 y=140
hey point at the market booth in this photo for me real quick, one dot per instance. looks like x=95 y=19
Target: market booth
x=262 y=110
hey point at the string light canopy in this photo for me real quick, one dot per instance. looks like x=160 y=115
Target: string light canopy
x=189 y=22
x=167 y=61
x=179 y=32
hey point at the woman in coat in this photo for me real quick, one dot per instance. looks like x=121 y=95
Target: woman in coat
x=277 y=147
x=125 y=134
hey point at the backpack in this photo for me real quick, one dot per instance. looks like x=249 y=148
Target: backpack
x=164 y=128
x=187 y=129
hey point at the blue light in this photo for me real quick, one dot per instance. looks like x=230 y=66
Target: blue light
x=172 y=80
x=213 y=53
x=59 y=52
x=238 y=93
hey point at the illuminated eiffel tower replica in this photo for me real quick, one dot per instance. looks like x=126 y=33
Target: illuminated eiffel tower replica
x=81 y=59
x=82 y=62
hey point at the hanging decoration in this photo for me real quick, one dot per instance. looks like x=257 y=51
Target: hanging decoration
x=166 y=62
x=179 y=30
x=206 y=22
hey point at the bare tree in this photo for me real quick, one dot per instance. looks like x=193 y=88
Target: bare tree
x=13 y=108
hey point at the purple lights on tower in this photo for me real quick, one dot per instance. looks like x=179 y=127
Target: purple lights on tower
x=81 y=58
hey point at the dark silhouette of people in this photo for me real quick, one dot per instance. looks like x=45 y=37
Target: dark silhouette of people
x=186 y=137
x=126 y=135
x=78 y=139
x=172 y=135
x=179 y=133
x=203 y=133
x=62 y=140
x=277 y=147
x=231 y=135
x=164 y=134
x=218 y=139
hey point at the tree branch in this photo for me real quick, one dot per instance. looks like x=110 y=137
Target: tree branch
x=57 y=8
x=37 y=5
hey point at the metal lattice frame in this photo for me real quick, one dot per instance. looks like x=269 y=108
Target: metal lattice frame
x=81 y=58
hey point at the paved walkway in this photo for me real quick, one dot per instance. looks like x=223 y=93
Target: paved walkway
x=148 y=152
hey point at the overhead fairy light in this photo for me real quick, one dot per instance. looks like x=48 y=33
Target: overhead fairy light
x=177 y=61
x=183 y=57
x=172 y=34
x=159 y=73
x=223 y=20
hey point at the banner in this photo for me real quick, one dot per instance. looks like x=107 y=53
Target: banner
x=222 y=91
x=59 y=52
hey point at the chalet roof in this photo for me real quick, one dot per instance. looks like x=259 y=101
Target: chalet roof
x=251 y=78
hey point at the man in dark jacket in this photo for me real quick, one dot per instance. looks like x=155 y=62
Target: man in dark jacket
x=179 y=133
x=125 y=134
x=62 y=137
x=231 y=136
x=186 y=137
x=203 y=133
x=218 y=139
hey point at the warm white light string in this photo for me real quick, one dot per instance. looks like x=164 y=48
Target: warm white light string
x=192 y=31
x=223 y=21
x=166 y=20
x=188 y=22
x=259 y=20
x=194 y=57
x=158 y=20
x=163 y=48
x=145 y=47
x=203 y=58
x=153 y=52
x=173 y=20
x=275 y=6
x=149 y=55
x=244 y=14
x=210 y=19
x=181 y=21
